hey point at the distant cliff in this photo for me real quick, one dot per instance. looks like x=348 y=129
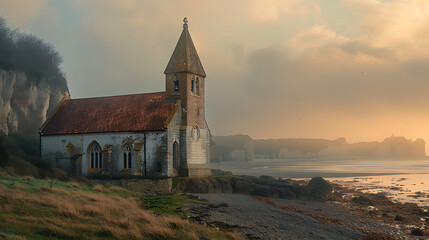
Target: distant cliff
x=25 y=104
x=391 y=147
x=300 y=148
x=230 y=147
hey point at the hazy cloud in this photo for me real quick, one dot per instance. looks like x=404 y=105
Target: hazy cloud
x=275 y=68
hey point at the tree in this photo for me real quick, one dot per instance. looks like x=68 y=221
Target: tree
x=7 y=46
x=29 y=54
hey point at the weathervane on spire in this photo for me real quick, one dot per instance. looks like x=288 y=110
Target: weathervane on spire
x=185 y=23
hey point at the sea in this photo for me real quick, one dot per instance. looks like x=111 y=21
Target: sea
x=402 y=180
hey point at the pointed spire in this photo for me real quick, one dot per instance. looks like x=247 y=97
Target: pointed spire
x=185 y=22
x=185 y=57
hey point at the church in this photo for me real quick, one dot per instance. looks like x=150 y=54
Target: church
x=149 y=134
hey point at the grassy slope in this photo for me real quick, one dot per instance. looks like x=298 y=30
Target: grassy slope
x=32 y=209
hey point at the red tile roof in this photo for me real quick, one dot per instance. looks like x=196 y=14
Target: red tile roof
x=129 y=113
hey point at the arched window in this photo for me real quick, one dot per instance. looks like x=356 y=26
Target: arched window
x=176 y=84
x=96 y=156
x=197 y=86
x=127 y=160
x=176 y=155
x=192 y=85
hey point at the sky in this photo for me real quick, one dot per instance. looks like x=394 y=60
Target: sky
x=357 y=69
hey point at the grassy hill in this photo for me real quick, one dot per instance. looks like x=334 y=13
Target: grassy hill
x=38 y=209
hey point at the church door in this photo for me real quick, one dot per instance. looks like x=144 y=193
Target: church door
x=75 y=165
x=176 y=156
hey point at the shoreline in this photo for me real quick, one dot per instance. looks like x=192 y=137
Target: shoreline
x=360 y=215
x=308 y=168
x=341 y=212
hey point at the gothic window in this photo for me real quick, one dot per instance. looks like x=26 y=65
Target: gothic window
x=96 y=156
x=176 y=84
x=127 y=157
x=197 y=86
x=192 y=84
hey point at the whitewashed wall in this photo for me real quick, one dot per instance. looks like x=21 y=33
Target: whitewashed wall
x=54 y=149
x=159 y=148
x=173 y=136
x=196 y=150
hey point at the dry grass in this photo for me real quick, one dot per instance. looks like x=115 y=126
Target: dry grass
x=80 y=212
x=116 y=188
x=101 y=188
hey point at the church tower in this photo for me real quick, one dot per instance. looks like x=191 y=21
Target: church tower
x=185 y=81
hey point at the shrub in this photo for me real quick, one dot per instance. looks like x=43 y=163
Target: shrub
x=4 y=155
x=319 y=184
x=22 y=168
x=29 y=54
x=60 y=174
x=83 y=180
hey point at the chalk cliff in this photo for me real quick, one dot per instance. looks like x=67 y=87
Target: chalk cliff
x=391 y=147
x=232 y=148
x=242 y=147
x=24 y=103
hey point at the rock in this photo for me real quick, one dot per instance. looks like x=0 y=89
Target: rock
x=218 y=172
x=319 y=184
x=267 y=178
x=286 y=193
x=379 y=197
x=416 y=232
x=244 y=186
x=281 y=185
x=262 y=190
x=399 y=218
x=362 y=200
x=197 y=185
x=225 y=184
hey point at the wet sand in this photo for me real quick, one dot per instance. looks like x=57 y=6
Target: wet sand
x=411 y=188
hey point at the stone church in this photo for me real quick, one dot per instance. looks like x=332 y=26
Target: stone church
x=149 y=134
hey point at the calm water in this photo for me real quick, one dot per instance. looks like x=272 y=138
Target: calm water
x=402 y=180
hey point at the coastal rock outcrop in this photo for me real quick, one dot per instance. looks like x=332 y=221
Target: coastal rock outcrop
x=25 y=104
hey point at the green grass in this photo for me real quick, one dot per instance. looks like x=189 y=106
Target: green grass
x=169 y=204
x=49 y=209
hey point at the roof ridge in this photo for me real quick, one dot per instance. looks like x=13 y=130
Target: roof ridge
x=123 y=95
x=127 y=113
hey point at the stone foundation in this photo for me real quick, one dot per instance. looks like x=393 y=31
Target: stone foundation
x=195 y=170
x=158 y=186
